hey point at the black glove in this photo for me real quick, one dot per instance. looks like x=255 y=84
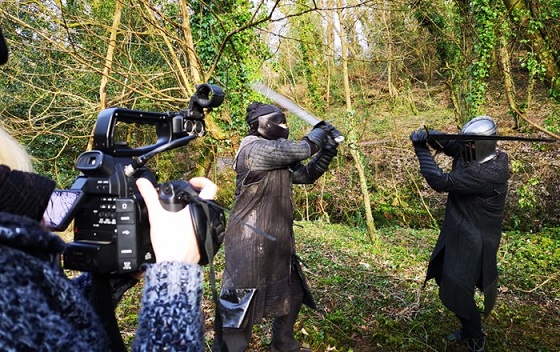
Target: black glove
x=327 y=126
x=317 y=136
x=333 y=132
x=419 y=138
x=330 y=146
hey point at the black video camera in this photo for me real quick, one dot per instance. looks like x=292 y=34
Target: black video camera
x=111 y=227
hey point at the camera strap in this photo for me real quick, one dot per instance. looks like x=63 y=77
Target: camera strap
x=219 y=345
x=103 y=305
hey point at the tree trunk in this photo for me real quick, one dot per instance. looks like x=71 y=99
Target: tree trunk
x=185 y=83
x=393 y=92
x=193 y=63
x=328 y=56
x=109 y=57
x=354 y=147
x=108 y=63
x=344 y=57
x=508 y=80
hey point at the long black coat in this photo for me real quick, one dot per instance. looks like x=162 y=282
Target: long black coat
x=266 y=170
x=465 y=253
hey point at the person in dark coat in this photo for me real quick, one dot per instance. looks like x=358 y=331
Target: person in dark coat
x=464 y=257
x=262 y=275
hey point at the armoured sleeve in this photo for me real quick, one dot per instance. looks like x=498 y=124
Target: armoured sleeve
x=171 y=317
x=315 y=168
x=435 y=177
x=276 y=154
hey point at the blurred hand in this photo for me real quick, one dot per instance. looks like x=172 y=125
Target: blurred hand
x=172 y=233
x=332 y=131
x=330 y=147
x=434 y=143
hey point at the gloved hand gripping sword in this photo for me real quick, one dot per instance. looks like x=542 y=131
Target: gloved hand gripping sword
x=295 y=109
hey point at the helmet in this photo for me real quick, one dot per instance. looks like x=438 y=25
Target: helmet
x=480 y=150
x=267 y=121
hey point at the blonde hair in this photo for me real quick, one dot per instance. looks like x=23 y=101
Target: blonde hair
x=13 y=154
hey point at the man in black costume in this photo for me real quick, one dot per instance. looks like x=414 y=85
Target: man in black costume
x=464 y=257
x=263 y=277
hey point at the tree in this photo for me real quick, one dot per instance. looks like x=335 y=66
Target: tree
x=530 y=20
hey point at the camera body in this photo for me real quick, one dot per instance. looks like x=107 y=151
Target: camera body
x=111 y=227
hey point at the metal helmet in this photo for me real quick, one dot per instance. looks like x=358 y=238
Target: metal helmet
x=480 y=150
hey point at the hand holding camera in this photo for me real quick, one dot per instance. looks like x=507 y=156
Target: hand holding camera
x=172 y=233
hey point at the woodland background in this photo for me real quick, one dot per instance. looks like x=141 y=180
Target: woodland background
x=377 y=70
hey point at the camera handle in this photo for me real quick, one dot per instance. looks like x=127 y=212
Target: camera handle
x=137 y=163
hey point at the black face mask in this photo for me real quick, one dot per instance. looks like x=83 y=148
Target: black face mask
x=270 y=126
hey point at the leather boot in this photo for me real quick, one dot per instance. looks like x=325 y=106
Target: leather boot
x=283 y=334
x=460 y=335
x=477 y=345
x=283 y=339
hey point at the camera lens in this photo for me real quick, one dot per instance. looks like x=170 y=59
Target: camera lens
x=198 y=127
x=188 y=126
x=209 y=95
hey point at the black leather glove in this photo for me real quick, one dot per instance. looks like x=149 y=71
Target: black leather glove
x=333 y=132
x=307 y=174
x=317 y=136
x=327 y=126
x=330 y=146
x=419 y=137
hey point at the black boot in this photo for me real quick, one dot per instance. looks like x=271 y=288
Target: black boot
x=477 y=345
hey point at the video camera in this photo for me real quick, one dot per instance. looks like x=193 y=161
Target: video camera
x=111 y=227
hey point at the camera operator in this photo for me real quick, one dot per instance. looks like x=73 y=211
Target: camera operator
x=43 y=310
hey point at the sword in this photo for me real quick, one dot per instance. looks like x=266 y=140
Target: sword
x=295 y=109
x=473 y=137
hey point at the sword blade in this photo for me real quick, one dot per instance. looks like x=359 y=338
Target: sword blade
x=292 y=107
x=286 y=103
